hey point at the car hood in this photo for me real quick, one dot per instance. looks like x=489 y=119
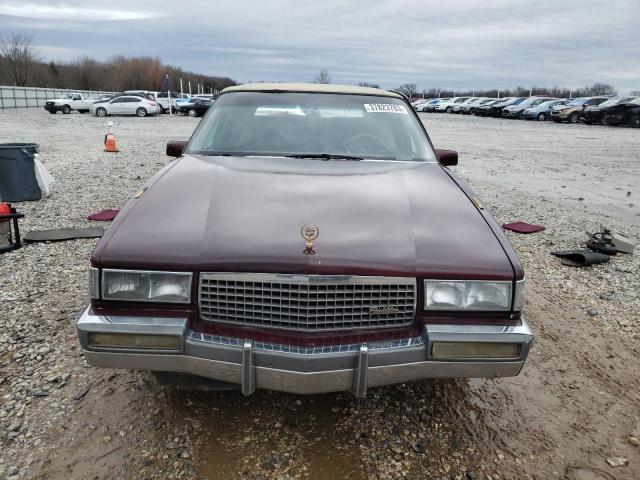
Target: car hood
x=246 y=214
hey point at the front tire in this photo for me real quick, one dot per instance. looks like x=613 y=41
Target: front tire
x=66 y=109
x=541 y=117
x=634 y=120
x=141 y=112
x=448 y=109
x=192 y=113
x=574 y=117
x=101 y=112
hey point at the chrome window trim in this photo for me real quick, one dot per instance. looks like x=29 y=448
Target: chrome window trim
x=149 y=300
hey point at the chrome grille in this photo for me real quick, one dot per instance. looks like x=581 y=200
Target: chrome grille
x=307 y=302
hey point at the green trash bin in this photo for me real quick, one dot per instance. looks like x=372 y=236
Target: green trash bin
x=18 y=181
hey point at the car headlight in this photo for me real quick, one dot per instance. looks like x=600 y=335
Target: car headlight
x=146 y=286
x=467 y=295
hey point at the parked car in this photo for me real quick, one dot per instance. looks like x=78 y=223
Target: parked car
x=596 y=113
x=457 y=106
x=495 y=109
x=165 y=101
x=430 y=105
x=126 y=105
x=418 y=102
x=198 y=108
x=572 y=111
x=181 y=101
x=625 y=113
x=447 y=105
x=543 y=110
x=254 y=260
x=515 y=110
x=69 y=102
x=471 y=109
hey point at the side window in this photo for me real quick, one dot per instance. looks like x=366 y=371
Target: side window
x=133 y=99
x=76 y=97
x=118 y=100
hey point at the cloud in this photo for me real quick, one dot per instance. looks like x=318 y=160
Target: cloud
x=452 y=44
x=75 y=13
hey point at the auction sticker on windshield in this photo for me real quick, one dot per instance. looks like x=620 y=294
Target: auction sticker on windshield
x=385 y=107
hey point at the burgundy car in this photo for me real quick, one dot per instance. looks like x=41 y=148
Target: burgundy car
x=307 y=239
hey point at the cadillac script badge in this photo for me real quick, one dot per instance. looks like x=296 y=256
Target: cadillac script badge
x=309 y=234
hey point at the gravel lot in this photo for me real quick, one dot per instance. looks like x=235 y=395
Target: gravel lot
x=572 y=414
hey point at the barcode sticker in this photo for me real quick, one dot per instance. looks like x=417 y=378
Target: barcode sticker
x=385 y=108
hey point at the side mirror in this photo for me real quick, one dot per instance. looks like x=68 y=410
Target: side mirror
x=175 y=149
x=447 y=158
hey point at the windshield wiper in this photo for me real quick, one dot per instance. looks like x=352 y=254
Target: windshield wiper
x=325 y=156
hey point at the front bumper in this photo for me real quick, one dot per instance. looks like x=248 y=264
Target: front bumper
x=53 y=108
x=511 y=113
x=302 y=370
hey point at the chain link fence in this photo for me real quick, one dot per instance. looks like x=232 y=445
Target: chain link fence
x=24 y=97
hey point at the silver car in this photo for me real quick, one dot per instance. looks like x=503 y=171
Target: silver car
x=126 y=105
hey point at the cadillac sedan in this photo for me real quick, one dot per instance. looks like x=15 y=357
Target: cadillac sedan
x=307 y=239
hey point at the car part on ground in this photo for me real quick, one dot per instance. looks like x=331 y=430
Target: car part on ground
x=9 y=228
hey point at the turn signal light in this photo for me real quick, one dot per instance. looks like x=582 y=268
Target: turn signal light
x=134 y=341
x=460 y=350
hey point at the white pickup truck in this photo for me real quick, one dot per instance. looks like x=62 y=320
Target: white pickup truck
x=72 y=101
x=163 y=99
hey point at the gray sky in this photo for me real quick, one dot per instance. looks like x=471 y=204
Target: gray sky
x=448 y=44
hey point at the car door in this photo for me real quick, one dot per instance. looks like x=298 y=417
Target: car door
x=76 y=101
x=132 y=105
x=116 y=106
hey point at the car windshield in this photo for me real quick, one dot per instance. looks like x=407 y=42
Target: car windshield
x=512 y=101
x=576 y=102
x=325 y=125
x=636 y=101
x=608 y=103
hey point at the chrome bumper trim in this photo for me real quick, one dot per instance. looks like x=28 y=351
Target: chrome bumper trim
x=303 y=370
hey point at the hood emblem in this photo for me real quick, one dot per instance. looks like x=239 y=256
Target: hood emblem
x=309 y=234
x=383 y=310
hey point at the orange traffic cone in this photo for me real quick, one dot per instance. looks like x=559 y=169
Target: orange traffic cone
x=110 y=144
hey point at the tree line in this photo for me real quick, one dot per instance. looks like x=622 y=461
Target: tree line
x=21 y=65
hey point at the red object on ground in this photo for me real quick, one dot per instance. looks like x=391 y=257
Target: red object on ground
x=523 y=227
x=103 y=216
x=5 y=208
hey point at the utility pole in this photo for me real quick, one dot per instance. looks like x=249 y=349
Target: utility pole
x=189 y=87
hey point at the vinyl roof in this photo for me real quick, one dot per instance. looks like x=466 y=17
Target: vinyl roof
x=311 y=87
